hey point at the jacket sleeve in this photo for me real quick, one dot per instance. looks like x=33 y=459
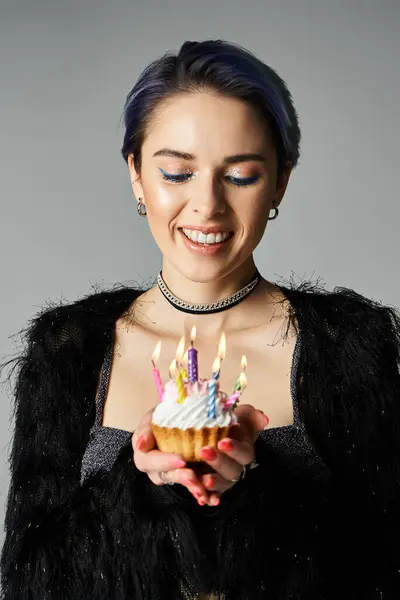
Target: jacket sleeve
x=52 y=415
x=64 y=540
x=362 y=447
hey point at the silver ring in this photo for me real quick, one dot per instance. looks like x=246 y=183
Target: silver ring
x=252 y=465
x=164 y=480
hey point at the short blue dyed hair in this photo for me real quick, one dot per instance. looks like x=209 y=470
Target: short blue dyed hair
x=225 y=68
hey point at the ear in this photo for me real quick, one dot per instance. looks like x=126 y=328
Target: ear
x=135 y=179
x=282 y=183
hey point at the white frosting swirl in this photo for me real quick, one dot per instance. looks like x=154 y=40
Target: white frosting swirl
x=193 y=411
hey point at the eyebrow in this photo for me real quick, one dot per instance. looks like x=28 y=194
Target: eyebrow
x=235 y=158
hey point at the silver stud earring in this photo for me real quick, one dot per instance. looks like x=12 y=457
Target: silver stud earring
x=141 y=208
x=276 y=209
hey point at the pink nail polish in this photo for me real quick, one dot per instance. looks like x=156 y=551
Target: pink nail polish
x=226 y=445
x=208 y=453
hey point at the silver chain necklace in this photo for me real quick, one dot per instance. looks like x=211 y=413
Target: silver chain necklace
x=214 y=307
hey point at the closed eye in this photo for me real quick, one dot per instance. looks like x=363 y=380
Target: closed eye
x=182 y=177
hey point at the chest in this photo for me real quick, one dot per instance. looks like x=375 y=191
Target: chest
x=131 y=389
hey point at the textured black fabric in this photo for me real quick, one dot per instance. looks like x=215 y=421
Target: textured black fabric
x=280 y=533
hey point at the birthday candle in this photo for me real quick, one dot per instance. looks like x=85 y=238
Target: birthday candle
x=216 y=368
x=179 y=376
x=243 y=364
x=180 y=388
x=233 y=400
x=212 y=397
x=156 y=372
x=192 y=358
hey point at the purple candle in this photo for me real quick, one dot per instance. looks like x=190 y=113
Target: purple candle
x=192 y=358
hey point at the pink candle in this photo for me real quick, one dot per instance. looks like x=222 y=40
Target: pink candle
x=232 y=400
x=159 y=385
x=156 y=372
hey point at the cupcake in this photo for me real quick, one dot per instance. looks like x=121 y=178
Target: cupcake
x=187 y=426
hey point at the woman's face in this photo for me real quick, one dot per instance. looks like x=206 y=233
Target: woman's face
x=208 y=173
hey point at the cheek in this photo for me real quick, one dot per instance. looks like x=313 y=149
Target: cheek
x=253 y=213
x=163 y=204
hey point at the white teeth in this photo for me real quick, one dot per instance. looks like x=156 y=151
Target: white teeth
x=202 y=238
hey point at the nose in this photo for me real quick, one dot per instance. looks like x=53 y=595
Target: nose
x=208 y=198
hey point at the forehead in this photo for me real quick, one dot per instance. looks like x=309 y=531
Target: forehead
x=206 y=124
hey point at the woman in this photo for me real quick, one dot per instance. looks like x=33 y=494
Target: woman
x=304 y=502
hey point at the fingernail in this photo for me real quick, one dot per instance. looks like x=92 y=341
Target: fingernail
x=179 y=463
x=266 y=421
x=225 y=445
x=210 y=482
x=215 y=501
x=208 y=453
x=140 y=442
x=201 y=502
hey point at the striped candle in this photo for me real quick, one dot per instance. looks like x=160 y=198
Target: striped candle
x=216 y=368
x=230 y=403
x=212 y=397
x=238 y=384
x=180 y=387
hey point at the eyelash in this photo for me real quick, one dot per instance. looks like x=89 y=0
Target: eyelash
x=181 y=178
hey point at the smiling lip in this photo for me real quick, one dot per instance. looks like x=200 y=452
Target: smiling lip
x=206 y=230
x=203 y=249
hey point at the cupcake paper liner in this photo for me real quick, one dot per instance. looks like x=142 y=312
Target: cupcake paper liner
x=188 y=442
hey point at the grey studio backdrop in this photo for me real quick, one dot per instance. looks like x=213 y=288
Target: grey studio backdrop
x=68 y=218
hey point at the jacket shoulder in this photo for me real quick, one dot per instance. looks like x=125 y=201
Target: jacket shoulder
x=59 y=324
x=342 y=308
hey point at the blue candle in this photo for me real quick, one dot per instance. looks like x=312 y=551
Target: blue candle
x=216 y=369
x=212 y=397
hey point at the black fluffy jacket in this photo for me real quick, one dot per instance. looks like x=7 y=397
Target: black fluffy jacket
x=278 y=534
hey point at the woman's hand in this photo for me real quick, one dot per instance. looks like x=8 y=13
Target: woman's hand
x=227 y=462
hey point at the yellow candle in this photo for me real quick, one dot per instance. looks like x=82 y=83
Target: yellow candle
x=179 y=375
x=180 y=388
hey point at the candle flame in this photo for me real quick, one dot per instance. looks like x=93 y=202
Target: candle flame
x=222 y=347
x=193 y=335
x=243 y=364
x=180 y=350
x=242 y=380
x=156 y=352
x=216 y=365
x=172 y=369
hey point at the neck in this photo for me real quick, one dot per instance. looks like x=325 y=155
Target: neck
x=212 y=289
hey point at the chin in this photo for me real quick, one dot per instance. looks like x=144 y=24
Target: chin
x=205 y=273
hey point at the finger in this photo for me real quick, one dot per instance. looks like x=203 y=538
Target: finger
x=240 y=452
x=251 y=422
x=216 y=484
x=187 y=478
x=155 y=460
x=221 y=463
x=144 y=430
